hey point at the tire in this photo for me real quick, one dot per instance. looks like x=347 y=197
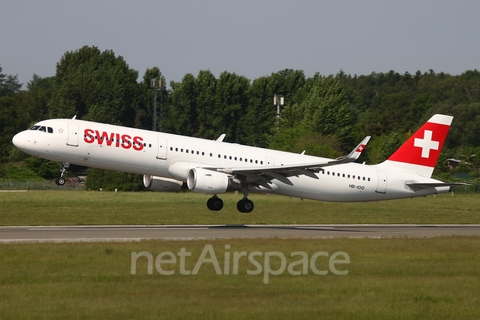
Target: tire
x=60 y=181
x=215 y=204
x=245 y=206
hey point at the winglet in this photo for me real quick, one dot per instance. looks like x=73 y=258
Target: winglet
x=358 y=149
x=352 y=156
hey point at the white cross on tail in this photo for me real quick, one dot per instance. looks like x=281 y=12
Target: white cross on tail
x=426 y=143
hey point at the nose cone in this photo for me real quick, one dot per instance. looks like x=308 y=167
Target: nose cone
x=16 y=140
x=20 y=140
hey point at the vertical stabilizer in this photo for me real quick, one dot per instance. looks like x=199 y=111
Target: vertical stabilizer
x=420 y=152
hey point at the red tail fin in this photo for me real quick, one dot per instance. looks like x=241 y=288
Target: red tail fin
x=420 y=152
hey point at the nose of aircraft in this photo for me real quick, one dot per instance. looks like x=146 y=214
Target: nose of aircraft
x=20 y=140
x=16 y=140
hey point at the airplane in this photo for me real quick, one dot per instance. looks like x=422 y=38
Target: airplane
x=213 y=167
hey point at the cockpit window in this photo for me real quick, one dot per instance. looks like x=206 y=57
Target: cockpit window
x=42 y=128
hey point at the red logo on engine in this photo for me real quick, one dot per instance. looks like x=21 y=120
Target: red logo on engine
x=113 y=139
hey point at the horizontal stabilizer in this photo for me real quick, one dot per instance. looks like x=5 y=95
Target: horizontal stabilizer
x=436 y=184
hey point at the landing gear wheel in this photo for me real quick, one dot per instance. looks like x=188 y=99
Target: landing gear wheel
x=215 y=204
x=60 y=181
x=245 y=206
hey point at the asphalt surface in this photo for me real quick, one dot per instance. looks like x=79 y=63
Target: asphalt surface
x=195 y=232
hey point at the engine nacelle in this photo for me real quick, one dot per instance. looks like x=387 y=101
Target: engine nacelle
x=207 y=181
x=161 y=184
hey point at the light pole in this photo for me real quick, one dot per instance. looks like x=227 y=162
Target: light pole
x=153 y=85
x=278 y=100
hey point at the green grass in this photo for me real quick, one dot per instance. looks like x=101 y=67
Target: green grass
x=435 y=278
x=85 y=208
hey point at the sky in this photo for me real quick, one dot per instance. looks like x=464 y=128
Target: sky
x=250 y=38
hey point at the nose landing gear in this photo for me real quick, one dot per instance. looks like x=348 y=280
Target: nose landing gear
x=60 y=181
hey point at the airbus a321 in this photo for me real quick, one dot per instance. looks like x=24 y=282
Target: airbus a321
x=213 y=167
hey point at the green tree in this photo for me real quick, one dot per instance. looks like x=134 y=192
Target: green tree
x=35 y=99
x=13 y=117
x=206 y=85
x=184 y=106
x=324 y=114
x=230 y=105
x=9 y=84
x=144 y=108
x=96 y=86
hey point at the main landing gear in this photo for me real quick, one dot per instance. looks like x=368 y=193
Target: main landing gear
x=60 y=181
x=215 y=203
x=243 y=205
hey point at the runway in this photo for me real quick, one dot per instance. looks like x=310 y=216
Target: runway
x=22 y=234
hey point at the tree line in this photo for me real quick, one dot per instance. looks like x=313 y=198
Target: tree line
x=325 y=115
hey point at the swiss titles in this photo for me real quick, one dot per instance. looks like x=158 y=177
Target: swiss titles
x=113 y=139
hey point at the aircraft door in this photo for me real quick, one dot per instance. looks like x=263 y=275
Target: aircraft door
x=162 y=148
x=270 y=161
x=382 y=182
x=72 y=139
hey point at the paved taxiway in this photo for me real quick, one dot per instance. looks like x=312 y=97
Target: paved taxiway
x=194 y=232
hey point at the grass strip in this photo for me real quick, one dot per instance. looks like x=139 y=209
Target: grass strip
x=90 y=208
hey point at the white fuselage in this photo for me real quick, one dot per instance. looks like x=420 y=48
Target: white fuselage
x=172 y=156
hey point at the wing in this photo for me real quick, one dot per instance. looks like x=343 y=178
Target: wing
x=263 y=175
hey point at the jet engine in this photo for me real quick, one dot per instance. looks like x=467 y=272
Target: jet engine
x=161 y=184
x=207 y=181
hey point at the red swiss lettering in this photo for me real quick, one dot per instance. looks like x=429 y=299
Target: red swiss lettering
x=137 y=143
x=123 y=140
x=88 y=136
x=104 y=136
x=126 y=143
